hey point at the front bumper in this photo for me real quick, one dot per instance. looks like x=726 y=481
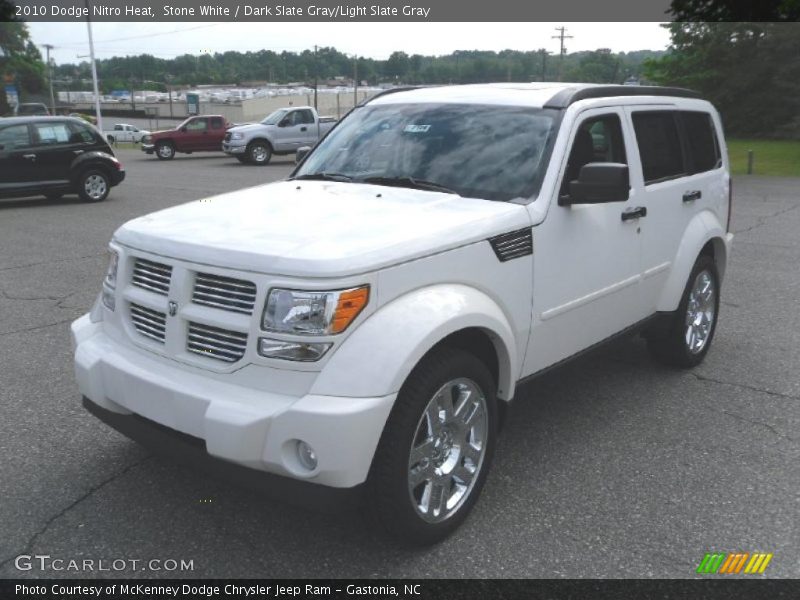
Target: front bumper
x=117 y=177
x=248 y=427
x=148 y=148
x=228 y=148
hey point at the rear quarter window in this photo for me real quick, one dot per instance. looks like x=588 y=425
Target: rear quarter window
x=659 y=144
x=701 y=139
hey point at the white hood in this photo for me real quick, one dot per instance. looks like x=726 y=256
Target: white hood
x=319 y=229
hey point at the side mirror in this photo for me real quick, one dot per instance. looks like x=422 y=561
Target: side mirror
x=599 y=183
x=284 y=123
x=301 y=153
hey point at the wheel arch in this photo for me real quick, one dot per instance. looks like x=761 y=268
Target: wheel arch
x=391 y=342
x=704 y=235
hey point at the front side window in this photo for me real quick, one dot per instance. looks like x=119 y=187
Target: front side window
x=659 y=145
x=49 y=133
x=702 y=141
x=479 y=151
x=216 y=123
x=597 y=139
x=16 y=136
x=197 y=125
x=80 y=133
x=305 y=117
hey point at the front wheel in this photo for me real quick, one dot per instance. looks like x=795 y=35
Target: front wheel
x=435 y=450
x=686 y=337
x=259 y=153
x=93 y=186
x=165 y=151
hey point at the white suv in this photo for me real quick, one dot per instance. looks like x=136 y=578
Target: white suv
x=360 y=328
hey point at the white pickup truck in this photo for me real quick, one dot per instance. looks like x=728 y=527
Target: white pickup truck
x=282 y=132
x=122 y=132
x=361 y=328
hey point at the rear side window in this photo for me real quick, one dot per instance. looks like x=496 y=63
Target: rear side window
x=49 y=133
x=216 y=123
x=16 y=136
x=659 y=145
x=80 y=133
x=702 y=141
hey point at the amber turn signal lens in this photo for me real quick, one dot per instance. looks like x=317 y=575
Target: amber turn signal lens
x=350 y=304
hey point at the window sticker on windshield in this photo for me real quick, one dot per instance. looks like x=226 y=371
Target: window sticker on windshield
x=417 y=128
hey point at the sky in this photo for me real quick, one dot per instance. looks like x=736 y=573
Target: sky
x=373 y=40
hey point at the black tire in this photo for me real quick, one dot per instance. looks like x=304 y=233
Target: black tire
x=389 y=495
x=672 y=343
x=93 y=185
x=165 y=150
x=259 y=153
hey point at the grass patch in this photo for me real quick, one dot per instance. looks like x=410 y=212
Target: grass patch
x=777 y=158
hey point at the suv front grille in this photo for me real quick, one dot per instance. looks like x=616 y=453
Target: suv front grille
x=152 y=276
x=236 y=295
x=150 y=323
x=213 y=342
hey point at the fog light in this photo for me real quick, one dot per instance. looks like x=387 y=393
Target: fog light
x=108 y=299
x=300 y=351
x=306 y=455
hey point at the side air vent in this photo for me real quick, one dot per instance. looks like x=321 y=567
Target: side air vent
x=514 y=244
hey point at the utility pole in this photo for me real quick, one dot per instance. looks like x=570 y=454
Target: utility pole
x=544 y=54
x=94 y=71
x=49 y=47
x=316 y=77
x=561 y=36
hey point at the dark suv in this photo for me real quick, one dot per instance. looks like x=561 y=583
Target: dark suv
x=54 y=156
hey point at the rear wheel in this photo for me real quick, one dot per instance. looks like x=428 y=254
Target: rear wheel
x=687 y=335
x=435 y=450
x=165 y=151
x=259 y=153
x=93 y=186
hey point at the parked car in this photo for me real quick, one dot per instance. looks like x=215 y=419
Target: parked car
x=54 y=156
x=282 y=132
x=360 y=329
x=196 y=134
x=122 y=132
x=31 y=109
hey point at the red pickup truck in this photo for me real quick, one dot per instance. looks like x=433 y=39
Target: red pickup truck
x=202 y=133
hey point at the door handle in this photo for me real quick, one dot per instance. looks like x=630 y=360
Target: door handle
x=304 y=129
x=29 y=156
x=634 y=212
x=692 y=196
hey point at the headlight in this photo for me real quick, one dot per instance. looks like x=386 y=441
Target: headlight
x=111 y=272
x=313 y=313
x=146 y=139
x=237 y=135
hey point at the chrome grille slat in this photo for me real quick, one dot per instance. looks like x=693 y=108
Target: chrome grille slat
x=226 y=293
x=217 y=343
x=148 y=322
x=152 y=276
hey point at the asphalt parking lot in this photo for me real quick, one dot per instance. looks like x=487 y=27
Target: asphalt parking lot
x=611 y=466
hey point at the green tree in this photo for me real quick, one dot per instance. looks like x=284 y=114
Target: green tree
x=750 y=71
x=21 y=61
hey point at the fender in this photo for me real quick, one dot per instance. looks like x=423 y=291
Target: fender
x=703 y=227
x=95 y=158
x=377 y=357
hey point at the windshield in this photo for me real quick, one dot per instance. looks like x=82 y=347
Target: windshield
x=482 y=151
x=274 y=117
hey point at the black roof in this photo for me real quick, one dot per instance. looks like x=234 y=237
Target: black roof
x=571 y=95
x=29 y=118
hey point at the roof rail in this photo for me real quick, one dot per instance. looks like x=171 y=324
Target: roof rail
x=405 y=88
x=571 y=95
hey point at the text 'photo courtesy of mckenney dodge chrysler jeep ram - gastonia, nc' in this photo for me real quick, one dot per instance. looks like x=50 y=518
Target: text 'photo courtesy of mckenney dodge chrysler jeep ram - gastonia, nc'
x=356 y=332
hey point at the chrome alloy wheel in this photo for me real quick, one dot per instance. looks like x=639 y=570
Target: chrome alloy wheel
x=165 y=151
x=259 y=154
x=448 y=450
x=95 y=186
x=700 y=312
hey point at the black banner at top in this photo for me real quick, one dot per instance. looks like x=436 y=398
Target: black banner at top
x=339 y=10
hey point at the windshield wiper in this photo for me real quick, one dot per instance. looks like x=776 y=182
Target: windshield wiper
x=325 y=176
x=410 y=182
